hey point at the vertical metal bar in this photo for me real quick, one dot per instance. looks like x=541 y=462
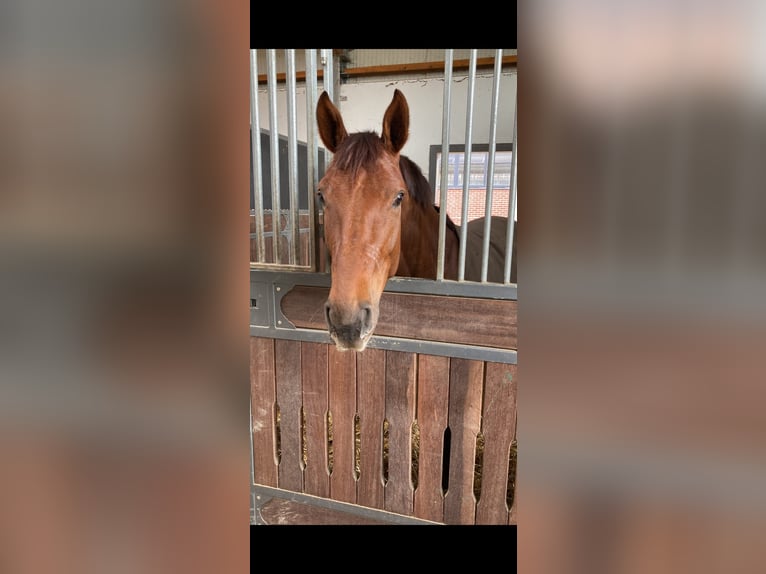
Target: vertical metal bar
x=491 y=165
x=312 y=154
x=276 y=210
x=467 y=164
x=255 y=134
x=328 y=77
x=252 y=463
x=512 y=203
x=292 y=156
x=328 y=84
x=443 y=185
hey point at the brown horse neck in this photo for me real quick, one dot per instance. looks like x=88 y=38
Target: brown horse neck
x=420 y=245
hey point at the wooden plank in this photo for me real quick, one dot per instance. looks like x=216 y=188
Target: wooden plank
x=315 y=405
x=280 y=511
x=498 y=424
x=282 y=76
x=432 y=411
x=463 y=320
x=400 y=413
x=437 y=66
x=287 y=359
x=342 y=367
x=263 y=397
x=371 y=396
x=465 y=387
x=392 y=69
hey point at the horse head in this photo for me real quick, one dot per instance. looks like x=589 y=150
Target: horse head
x=364 y=197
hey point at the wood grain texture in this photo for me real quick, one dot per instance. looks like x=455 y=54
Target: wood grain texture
x=463 y=320
x=315 y=405
x=464 y=422
x=392 y=69
x=342 y=383
x=371 y=396
x=432 y=410
x=263 y=397
x=498 y=428
x=287 y=359
x=400 y=413
x=278 y=511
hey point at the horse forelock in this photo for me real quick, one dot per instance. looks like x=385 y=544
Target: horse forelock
x=358 y=151
x=362 y=150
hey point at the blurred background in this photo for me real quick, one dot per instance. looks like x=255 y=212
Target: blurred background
x=642 y=316
x=124 y=286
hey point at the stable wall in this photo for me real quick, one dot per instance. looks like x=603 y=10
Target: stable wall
x=363 y=103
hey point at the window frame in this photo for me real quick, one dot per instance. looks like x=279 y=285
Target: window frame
x=435 y=152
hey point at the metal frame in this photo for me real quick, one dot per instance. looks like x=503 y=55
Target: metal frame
x=261 y=494
x=269 y=282
x=267 y=288
x=328 y=84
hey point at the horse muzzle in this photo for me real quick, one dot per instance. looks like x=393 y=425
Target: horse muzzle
x=350 y=326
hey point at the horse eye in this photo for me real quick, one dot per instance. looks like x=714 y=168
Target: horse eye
x=320 y=197
x=399 y=198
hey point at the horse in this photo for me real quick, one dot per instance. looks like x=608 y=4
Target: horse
x=380 y=220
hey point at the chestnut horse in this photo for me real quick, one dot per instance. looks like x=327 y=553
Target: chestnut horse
x=379 y=220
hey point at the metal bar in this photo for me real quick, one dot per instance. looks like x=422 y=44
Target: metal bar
x=252 y=462
x=491 y=164
x=512 y=203
x=456 y=350
x=288 y=277
x=446 y=106
x=274 y=132
x=328 y=77
x=255 y=135
x=312 y=155
x=467 y=165
x=279 y=267
x=265 y=493
x=328 y=84
x=292 y=156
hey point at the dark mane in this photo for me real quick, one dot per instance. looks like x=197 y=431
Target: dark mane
x=417 y=184
x=358 y=151
x=420 y=189
x=450 y=224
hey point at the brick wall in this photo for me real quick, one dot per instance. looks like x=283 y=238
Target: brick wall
x=476 y=203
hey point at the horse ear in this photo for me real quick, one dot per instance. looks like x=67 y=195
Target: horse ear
x=396 y=123
x=330 y=123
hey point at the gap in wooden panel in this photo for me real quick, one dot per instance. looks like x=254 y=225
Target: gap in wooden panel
x=477 y=465
x=357 y=447
x=510 y=491
x=385 y=451
x=415 y=450
x=304 y=444
x=445 y=459
x=329 y=442
x=278 y=433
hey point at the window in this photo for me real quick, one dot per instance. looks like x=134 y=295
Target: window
x=479 y=166
x=477 y=180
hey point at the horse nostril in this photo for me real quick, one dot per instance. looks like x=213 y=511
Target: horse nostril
x=366 y=317
x=327 y=313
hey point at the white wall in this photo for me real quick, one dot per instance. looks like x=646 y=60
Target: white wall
x=364 y=103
